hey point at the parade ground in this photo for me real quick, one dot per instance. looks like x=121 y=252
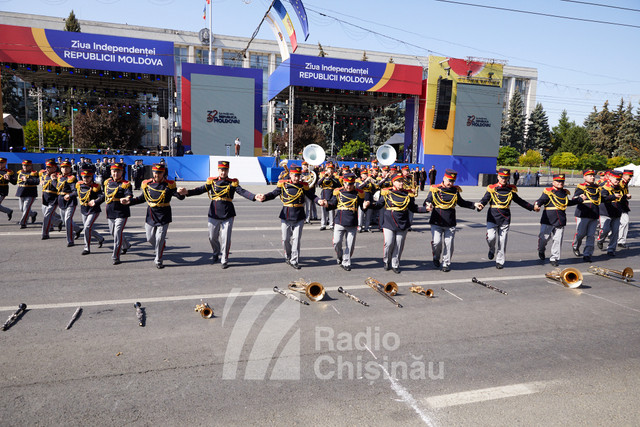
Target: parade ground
x=535 y=354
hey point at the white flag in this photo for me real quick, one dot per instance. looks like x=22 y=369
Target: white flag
x=282 y=43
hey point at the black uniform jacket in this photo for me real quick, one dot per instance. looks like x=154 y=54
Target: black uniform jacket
x=28 y=188
x=444 y=202
x=113 y=193
x=49 y=190
x=555 y=202
x=221 y=192
x=158 y=196
x=612 y=204
x=4 y=183
x=327 y=184
x=397 y=204
x=86 y=193
x=346 y=204
x=501 y=197
x=589 y=208
x=66 y=185
x=292 y=197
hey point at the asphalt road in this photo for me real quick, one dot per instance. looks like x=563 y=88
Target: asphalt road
x=540 y=355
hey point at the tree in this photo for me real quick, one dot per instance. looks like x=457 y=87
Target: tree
x=355 y=150
x=10 y=94
x=387 y=124
x=71 y=23
x=516 y=123
x=530 y=158
x=617 y=161
x=538 y=134
x=627 y=138
x=105 y=128
x=303 y=135
x=564 y=160
x=54 y=135
x=559 y=132
x=592 y=161
x=602 y=130
x=507 y=156
x=576 y=141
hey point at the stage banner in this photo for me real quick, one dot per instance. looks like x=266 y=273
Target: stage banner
x=302 y=16
x=286 y=20
x=344 y=74
x=38 y=46
x=478 y=118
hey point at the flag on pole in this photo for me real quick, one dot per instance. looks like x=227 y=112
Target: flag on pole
x=282 y=44
x=204 y=12
x=302 y=16
x=286 y=20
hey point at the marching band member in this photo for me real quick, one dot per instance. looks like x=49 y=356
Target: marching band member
x=346 y=201
x=410 y=186
x=90 y=196
x=555 y=200
x=441 y=202
x=157 y=192
x=6 y=177
x=27 y=191
x=397 y=203
x=48 y=179
x=117 y=194
x=367 y=185
x=327 y=182
x=220 y=190
x=587 y=215
x=624 y=218
x=500 y=196
x=67 y=201
x=611 y=211
x=309 y=206
x=292 y=192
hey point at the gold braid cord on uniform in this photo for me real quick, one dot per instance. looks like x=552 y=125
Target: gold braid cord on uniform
x=110 y=197
x=497 y=202
x=346 y=203
x=441 y=204
x=214 y=194
x=150 y=200
x=84 y=197
x=619 y=195
x=596 y=194
x=287 y=198
x=391 y=204
x=61 y=184
x=559 y=203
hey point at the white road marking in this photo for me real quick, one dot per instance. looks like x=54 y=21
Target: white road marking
x=485 y=394
x=407 y=398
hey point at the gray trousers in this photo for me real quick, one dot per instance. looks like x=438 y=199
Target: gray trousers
x=348 y=235
x=291 y=234
x=50 y=218
x=87 y=221
x=2 y=208
x=67 y=219
x=364 y=218
x=25 y=208
x=220 y=237
x=609 y=225
x=327 y=217
x=116 y=229
x=310 y=209
x=622 y=234
x=549 y=232
x=585 y=227
x=442 y=243
x=393 y=247
x=157 y=236
x=497 y=240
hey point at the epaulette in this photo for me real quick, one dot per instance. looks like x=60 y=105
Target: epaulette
x=171 y=184
x=548 y=189
x=384 y=191
x=125 y=184
x=94 y=187
x=305 y=186
x=282 y=182
x=212 y=179
x=513 y=188
x=360 y=192
x=458 y=188
x=491 y=187
x=145 y=182
x=71 y=179
x=336 y=191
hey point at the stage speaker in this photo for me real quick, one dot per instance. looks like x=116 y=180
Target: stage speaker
x=297 y=111
x=163 y=102
x=443 y=104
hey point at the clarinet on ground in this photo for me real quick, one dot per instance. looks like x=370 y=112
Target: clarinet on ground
x=353 y=297
x=21 y=309
x=290 y=296
x=139 y=313
x=493 y=288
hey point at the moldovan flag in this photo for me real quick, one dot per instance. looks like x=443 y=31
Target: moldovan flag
x=204 y=12
x=286 y=20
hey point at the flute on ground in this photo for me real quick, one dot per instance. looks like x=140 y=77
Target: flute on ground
x=74 y=317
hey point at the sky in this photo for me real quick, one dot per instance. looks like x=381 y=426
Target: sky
x=581 y=63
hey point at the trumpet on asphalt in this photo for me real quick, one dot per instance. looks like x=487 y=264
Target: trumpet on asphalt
x=422 y=291
x=625 y=275
x=313 y=290
x=386 y=291
x=569 y=277
x=353 y=297
x=205 y=311
x=21 y=309
x=290 y=296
